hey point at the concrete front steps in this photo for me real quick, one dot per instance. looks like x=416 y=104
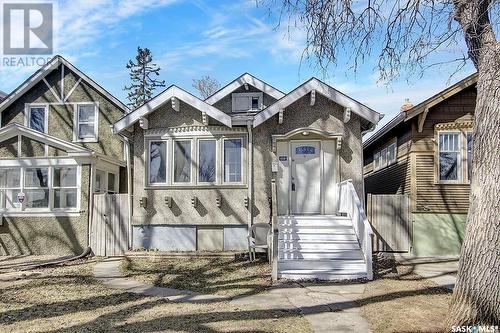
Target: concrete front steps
x=321 y=247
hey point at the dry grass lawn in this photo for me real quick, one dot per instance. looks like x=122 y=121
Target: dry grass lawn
x=400 y=301
x=68 y=299
x=219 y=275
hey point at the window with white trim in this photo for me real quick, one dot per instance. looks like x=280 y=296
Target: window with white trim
x=449 y=156
x=45 y=188
x=203 y=161
x=37 y=118
x=385 y=157
x=105 y=182
x=233 y=158
x=249 y=101
x=86 y=122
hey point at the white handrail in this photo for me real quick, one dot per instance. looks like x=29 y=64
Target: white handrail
x=350 y=204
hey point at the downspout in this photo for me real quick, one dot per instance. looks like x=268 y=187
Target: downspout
x=129 y=188
x=250 y=173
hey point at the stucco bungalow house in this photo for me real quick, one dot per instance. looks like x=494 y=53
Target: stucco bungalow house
x=425 y=153
x=204 y=172
x=56 y=151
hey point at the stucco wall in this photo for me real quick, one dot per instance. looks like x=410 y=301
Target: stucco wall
x=232 y=211
x=324 y=115
x=47 y=235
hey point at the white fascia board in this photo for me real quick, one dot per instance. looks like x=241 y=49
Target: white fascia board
x=39 y=75
x=241 y=81
x=15 y=129
x=323 y=89
x=165 y=97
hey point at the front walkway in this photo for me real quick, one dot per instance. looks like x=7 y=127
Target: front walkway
x=327 y=307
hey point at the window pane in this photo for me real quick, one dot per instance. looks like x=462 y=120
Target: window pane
x=111 y=182
x=448 y=166
x=37 y=119
x=8 y=199
x=157 y=162
x=391 y=153
x=10 y=178
x=64 y=177
x=36 y=177
x=100 y=176
x=37 y=198
x=86 y=131
x=65 y=198
x=255 y=103
x=182 y=161
x=232 y=160
x=207 y=161
x=86 y=113
x=469 y=154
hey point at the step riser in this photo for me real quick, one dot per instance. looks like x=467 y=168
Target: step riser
x=322 y=255
x=316 y=230
x=298 y=245
x=324 y=237
x=337 y=264
x=341 y=223
x=324 y=277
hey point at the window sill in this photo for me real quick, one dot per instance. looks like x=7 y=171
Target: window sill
x=452 y=182
x=39 y=214
x=86 y=141
x=194 y=187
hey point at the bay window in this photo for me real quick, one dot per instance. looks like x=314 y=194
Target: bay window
x=39 y=189
x=195 y=161
x=454 y=156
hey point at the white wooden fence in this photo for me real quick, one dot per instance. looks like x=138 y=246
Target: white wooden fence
x=109 y=225
x=389 y=215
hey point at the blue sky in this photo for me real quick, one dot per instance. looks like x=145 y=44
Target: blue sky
x=220 y=38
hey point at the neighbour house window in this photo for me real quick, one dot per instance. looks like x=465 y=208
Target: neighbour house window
x=207 y=161
x=157 y=162
x=385 y=157
x=449 y=156
x=469 y=155
x=10 y=185
x=45 y=189
x=182 y=161
x=86 y=122
x=195 y=161
x=37 y=118
x=232 y=160
x=250 y=101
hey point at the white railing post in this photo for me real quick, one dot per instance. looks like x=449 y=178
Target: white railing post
x=352 y=206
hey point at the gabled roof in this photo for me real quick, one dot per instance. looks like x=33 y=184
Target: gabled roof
x=15 y=129
x=323 y=89
x=54 y=63
x=245 y=78
x=164 y=97
x=423 y=107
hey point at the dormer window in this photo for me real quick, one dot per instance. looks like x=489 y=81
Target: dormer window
x=243 y=102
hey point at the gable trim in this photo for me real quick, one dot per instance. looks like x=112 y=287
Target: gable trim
x=322 y=88
x=166 y=96
x=244 y=80
x=40 y=75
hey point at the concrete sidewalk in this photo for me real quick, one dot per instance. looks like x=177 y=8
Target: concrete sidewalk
x=327 y=307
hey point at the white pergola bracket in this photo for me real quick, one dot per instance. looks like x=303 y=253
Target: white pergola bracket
x=143 y=123
x=313 y=97
x=246 y=86
x=280 y=116
x=204 y=118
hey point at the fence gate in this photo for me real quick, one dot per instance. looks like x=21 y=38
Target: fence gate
x=109 y=225
x=389 y=215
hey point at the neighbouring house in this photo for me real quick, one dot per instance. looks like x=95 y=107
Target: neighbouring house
x=56 y=151
x=425 y=152
x=207 y=170
x=2 y=95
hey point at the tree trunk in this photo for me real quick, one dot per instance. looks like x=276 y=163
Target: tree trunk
x=476 y=297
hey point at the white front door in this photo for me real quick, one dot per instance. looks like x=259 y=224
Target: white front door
x=305 y=194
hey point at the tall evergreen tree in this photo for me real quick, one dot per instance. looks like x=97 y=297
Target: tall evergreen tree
x=143 y=85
